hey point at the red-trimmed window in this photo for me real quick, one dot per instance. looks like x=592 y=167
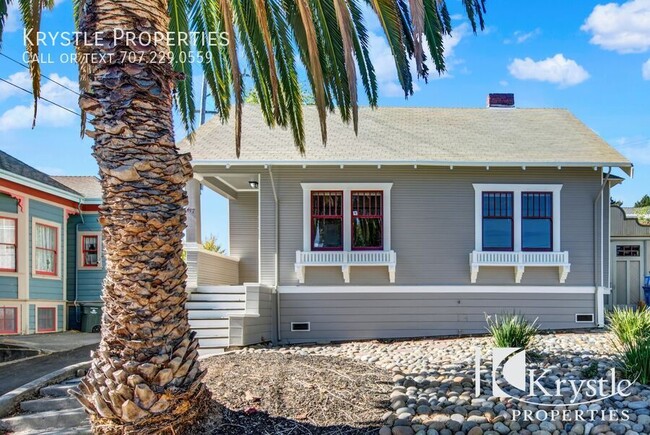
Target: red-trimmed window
x=90 y=251
x=498 y=221
x=45 y=244
x=368 y=220
x=46 y=318
x=8 y=245
x=326 y=220
x=8 y=320
x=537 y=221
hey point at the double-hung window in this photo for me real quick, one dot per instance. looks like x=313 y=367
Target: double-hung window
x=46 y=250
x=46 y=319
x=8 y=244
x=8 y=320
x=327 y=220
x=498 y=221
x=89 y=251
x=367 y=220
x=537 y=221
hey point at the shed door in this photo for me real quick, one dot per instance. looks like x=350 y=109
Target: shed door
x=628 y=274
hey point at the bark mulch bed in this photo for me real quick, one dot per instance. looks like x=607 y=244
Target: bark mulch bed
x=271 y=393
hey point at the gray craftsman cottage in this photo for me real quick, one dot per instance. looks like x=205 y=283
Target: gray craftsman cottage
x=418 y=226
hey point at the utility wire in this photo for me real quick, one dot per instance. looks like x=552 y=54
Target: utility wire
x=45 y=77
x=41 y=98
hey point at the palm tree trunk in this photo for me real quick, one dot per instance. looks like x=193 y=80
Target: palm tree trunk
x=145 y=376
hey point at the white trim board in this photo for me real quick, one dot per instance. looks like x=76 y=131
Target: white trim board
x=437 y=289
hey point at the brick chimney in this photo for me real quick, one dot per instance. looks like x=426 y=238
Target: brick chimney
x=501 y=100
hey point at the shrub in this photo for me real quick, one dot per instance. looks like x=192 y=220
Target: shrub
x=631 y=329
x=590 y=371
x=511 y=330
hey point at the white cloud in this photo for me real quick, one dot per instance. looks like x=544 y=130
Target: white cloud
x=520 y=37
x=382 y=59
x=624 y=28
x=503 y=83
x=637 y=149
x=20 y=116
x=557 y=69
x=645 y=70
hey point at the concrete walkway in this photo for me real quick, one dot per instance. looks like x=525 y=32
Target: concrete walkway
x=61 y=350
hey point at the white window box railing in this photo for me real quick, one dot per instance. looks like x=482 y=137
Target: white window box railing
x=520 y=260
x=345 y=259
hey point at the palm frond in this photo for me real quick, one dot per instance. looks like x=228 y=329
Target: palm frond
x=30 y=12
x=227 y=24
x=345 y=24
x=362 y=53
x=181 y=63
x=265 y=29
x=4 y=13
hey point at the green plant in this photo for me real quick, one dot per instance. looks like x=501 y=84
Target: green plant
x=511 y=330
x=211 y=244
x=631 y=330
x=591 y=371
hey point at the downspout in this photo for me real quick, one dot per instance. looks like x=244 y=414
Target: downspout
x=276 y=258
x=600 y=316
x=76 y=266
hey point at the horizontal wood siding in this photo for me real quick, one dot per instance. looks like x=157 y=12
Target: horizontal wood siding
x=260 y=329
x=8 y=287
x=244 y=235
x=623 y=226
x=348 y=316
x=32 y=318
x=267 y=236
x=59 y=317
x=89 y=286
x=8 y=204
x=432 y=213
x=216 y=269
x=46 y=289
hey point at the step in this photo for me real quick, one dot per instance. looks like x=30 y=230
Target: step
x=221 y=323
x=211 y=332
x=211 y=351
x=49 y=404
x=50 y=420
x=211 y=314
x=59 y=390
x=221 y=305
x=220 y=289
x=213 y=342
x=217 y=297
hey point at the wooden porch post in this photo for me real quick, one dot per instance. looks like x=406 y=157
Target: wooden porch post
x=193 y=232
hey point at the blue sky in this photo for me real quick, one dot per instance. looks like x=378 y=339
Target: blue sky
x=592 y=58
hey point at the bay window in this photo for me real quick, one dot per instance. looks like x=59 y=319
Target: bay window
x=367 y=220
x=8 y=244
x=327 y=220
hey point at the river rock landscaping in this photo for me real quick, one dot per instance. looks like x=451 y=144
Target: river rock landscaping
x=433 y=387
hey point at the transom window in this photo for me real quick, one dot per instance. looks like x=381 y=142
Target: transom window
x=327 y=220
x=367 y=220
x=7 y=244
x=498 y=221
x=46 y=249
x=628 y=250
x=537 y=221
x=46 y=318
x=8 y=320
x=90 y=250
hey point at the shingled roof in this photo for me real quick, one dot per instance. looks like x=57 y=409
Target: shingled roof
x=87 y=185
x=11 y=164
x=394 y=135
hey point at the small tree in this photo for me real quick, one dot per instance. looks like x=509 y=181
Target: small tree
x=211 y=244
x=643 y=202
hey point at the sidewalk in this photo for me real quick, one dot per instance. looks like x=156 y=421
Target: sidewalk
x=63 y=349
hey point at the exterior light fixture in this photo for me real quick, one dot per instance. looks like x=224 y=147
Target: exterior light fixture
x=253 y=184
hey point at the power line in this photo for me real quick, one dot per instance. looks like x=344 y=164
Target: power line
x=45 y=77
x=41 y=98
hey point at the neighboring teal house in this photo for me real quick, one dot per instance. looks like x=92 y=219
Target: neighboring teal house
x=51 y=260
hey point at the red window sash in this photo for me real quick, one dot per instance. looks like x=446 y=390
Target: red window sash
x=15 y=245
x=378 y=206
x=85 y=251
x=4 y=329
x=53 y=316
x=548 y=217
x=338 y=214
x=55 y=250
x=509 y=217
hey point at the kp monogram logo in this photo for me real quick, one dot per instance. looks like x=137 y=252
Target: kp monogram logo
x=513 y=370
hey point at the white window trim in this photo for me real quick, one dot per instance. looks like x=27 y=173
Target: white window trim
x=15 y=216
x=59 y=255
x=517 y=258
x=517 y=190
x=100 y=250
x=346 y=188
